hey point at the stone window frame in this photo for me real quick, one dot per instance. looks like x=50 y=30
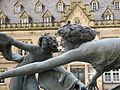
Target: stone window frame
x=112 y=76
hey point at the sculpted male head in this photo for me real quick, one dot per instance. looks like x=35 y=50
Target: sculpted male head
x=76 y=34
x=46 y=41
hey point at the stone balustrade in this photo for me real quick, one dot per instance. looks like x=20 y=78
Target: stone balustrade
x=29 y=26
x=107 y=23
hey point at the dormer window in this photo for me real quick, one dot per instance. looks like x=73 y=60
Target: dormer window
x=39 y=7
x=117 y=5
x=60 y=6
x=108 y=14
x=94 y=4
x=17 y=7
x=3 y=18
x=47 y=17
x=25 y=18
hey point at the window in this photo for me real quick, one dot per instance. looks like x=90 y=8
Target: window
x=90 y=73
x=17 y=9
x=25 y=20
x=60 y=7
x=1 y=21
x=94 y=6
x=116 y=4
x=2 y=81
x=47 y=19
x=38 y=8
x=3 y=18
x=78 y=72
x=112 y=76
x=23 y=52
x=109 y=17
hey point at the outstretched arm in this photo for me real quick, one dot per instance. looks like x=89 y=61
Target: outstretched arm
x=41 y=66
x=24 y=46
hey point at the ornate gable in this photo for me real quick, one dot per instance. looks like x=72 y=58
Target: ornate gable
x=24 y=15
x=78 y=14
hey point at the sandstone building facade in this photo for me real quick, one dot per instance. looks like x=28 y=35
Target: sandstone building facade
x=26 y=20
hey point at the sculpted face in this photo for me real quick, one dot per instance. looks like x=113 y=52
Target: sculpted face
x=48 y=42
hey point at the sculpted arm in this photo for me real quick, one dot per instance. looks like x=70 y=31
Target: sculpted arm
x=21 y=45
x=41 y=66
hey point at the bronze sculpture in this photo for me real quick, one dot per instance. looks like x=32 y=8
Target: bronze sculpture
x=49 y=80
x=102 y=54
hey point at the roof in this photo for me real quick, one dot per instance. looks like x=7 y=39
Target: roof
x=7 y=7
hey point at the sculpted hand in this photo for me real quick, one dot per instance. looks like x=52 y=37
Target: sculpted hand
x=93 y=86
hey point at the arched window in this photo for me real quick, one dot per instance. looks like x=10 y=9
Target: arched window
x=60 y=6
x=94 y=4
